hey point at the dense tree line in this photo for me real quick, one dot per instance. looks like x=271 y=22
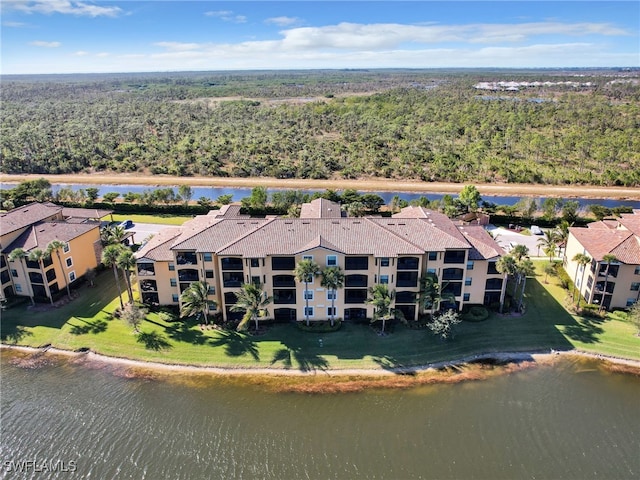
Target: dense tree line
x=407 y=125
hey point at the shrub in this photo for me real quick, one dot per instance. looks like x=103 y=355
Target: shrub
x=563 y=277
x=591 y=310
x=323 y=326
x=476 y=313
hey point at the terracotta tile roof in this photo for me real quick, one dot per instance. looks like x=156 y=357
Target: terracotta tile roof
x=158 y=248
x=429 y=234
x=483 y=247
x=229 y=211
x=219 y=234
x=631 y=221
x=39 y=235
x=26 y=215
x=195 y=226
x=321 y=208
x=599 y=242
x=88 y=213
x=284 y=236
x=319 y=242
x=604 y=224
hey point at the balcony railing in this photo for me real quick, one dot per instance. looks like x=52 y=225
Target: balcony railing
x=187 y=258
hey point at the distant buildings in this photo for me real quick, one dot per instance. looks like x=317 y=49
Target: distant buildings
x=33 y=227
x=226 y=249
x=620 y=240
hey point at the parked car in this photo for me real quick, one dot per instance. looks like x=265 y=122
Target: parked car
x=126 y=224
x=536 y=230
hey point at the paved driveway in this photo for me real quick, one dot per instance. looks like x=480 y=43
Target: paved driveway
x=506 y=238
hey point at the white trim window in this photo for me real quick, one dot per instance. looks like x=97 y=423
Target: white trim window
x=308 y=311
x=332 y=295
x=332 y=311
x=69 y=262
x=308 y=295
x=332 y=260
x=307 y=257
x=66 y=248
x=72 y=276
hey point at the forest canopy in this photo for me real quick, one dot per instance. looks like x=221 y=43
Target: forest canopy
x=577 y=128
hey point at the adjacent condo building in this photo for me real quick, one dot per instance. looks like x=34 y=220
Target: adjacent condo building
x=226 y=249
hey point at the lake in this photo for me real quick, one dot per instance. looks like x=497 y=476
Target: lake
x=571 y=420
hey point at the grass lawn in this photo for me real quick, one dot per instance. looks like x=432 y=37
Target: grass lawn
x=87 y=322
x=166 y=219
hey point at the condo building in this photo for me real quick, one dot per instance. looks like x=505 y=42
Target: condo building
x=226 y=249
x=33 y=227
x=612 y=277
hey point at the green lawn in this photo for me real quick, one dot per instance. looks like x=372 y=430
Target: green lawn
x=165 y=219
x=87 y=323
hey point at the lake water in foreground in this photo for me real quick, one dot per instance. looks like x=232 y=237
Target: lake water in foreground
x=567 y=421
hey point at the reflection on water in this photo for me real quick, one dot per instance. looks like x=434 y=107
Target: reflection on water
x=568 y=420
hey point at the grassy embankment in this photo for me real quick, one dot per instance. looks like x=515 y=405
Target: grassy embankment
x=87 y=322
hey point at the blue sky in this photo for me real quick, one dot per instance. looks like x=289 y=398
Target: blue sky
x=68 y=36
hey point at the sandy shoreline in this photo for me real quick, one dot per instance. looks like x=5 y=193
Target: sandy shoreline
x=505 y=357
x=382 y=185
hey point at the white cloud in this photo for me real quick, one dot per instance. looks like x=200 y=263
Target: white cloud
x=40 y=43
x=177 y=46
x=227 y=16
x=282 y=21
x=14 y=24
x=81 y=53
x=66 y=7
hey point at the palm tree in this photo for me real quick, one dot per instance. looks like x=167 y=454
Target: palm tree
x=306 y=270
x=56 y=246
x=519 y=252
x=333 y=279
x=381 y=298
x=507 y=266
x=112 y=234
x=251 y=300
x=524 y=269
x=608 y=258
x=195 y=300
x=549 y=243
x=38 y=255
x=430 y=292
x=18 y=255
x=110 y=256
x=125 y=262
x=581 y=259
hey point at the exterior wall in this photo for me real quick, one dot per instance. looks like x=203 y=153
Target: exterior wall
x=82 y=255
x=479 y=275
x=163 y=287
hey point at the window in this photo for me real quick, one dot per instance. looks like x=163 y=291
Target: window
x=283 y=263
x=14 y=273
x=431 y=270
x=408 y=263
x=470 y=265
x=66 y=248
x=355 y=281
x=307 y=257
x=466 y=297
x=384 y=279
x=331 y=311
x=308 y=311
x=173 y=282
x=407 y=279
x=207 y=257
x=255 y=280
x=212 y=307
x=332 y=295
x=174 y=298
x=145 y=269
x=72 y=276
x=635 y=286
x=18 y=287
x=69 y=262
x=232 y=263
x=384 y=261
x=637 y=270
x=208 y=273
x=332 y=261
x=491 y=268
x=467 y=281
x=255 y=262
x=454 y=256
x=452 y=274
x=433 y=256
x=172 y=267
x=405 y=297
x=211 y=290
x=630 y=302
x=308 y=294
x=493 y=284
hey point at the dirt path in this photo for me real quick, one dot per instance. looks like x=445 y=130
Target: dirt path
x=382 y=185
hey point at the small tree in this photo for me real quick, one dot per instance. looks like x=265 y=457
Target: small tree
x=110 y=197
x=470 y=198
x=634 y=316
x=204 y=202
x=185 y=193
x=90 y=276
x=125 y=262
x=381 y=298
x=195 y=300
x=225 y=199
x=443 y=325
x=251 y=300
x=110 y=259
x=133 y=315
x=582 y=260
x=92 y=194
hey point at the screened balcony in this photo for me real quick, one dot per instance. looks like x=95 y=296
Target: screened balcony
x=187 y=258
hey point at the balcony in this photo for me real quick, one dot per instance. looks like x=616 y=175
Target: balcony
x=355 y=295
x=284 y=281
x=283 y=263
x=407 y=279
x=406 y=297
x=455 y=256
x=408 y=263
x=188 y=275
x=187 y=258
x=146 y=269
x=452 y=274
x=356 y=263
x=232 y=279
x=355 y=280
x=231 y=263
x=148 y=286
x=284 y=297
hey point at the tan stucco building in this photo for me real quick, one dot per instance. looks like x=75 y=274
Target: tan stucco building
x=618 y=237
x=34 y=226
x=227 y=249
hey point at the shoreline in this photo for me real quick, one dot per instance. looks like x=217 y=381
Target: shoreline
x=366 y=185
x=537 y=357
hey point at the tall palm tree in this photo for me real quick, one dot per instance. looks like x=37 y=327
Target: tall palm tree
x=125 y=262
x=333 y=279
x=580 y=259
x=18 y=255
x=507 y=266
x=381 y=298
x=195 y=300
x=110 y=256
x=306 y=270
x=56 y=246
x=549 y=243
x=430 y=292
x=524 y=269
x=38 y=255
x=608 y=258
x=251 y=300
